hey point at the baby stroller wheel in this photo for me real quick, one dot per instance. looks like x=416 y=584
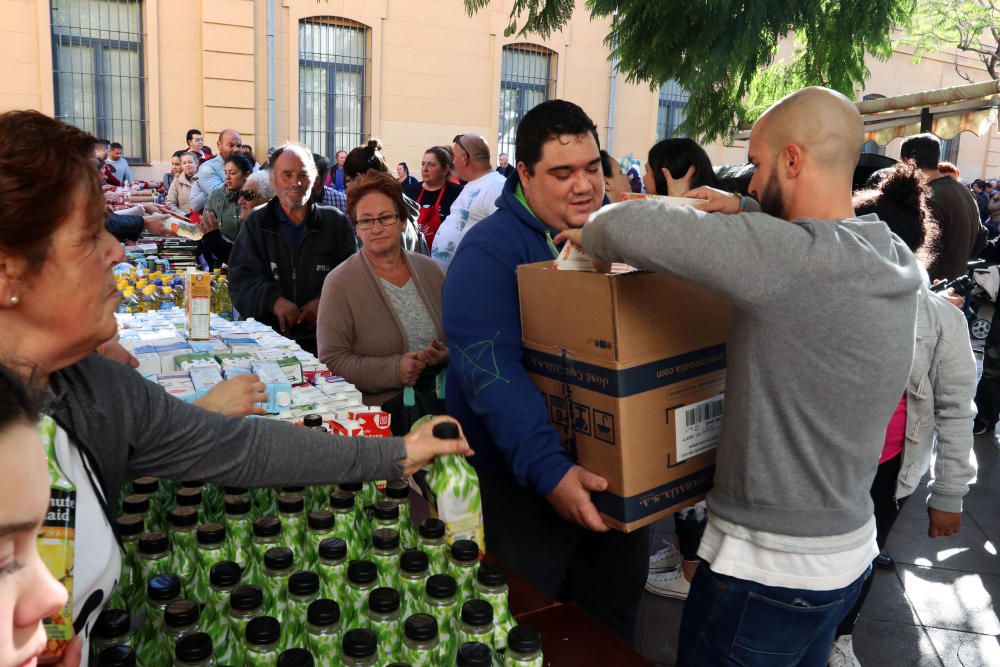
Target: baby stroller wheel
x=980 y=329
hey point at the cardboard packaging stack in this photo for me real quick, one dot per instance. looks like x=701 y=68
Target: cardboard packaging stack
x=632 y=367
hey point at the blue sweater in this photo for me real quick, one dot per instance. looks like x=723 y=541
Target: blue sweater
x=502 y=413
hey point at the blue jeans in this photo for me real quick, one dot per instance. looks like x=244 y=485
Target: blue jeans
x=729 y=621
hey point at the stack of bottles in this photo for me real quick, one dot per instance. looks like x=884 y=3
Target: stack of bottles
x=333 y=576
x=144 y=291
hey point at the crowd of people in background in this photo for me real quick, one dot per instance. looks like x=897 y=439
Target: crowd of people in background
x=387 y=279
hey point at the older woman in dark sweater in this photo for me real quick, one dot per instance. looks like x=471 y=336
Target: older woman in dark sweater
x=379 y=323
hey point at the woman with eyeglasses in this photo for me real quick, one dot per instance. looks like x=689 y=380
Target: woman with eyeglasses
x=379 y=323
x=222 y=212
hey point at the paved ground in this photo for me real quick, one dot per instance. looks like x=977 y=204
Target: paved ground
x=941 y=607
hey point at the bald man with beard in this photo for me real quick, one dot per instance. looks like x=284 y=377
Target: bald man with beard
x=824 y=307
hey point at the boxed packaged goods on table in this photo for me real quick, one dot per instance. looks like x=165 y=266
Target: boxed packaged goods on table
x=198 y=303
x=279 y=390
x=633 y=381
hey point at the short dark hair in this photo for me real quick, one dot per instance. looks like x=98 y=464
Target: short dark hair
x=20 y=403
x=406 y=169
x=322 y=164
x=546 y=121
x=376 y=181
x=365 y=158
x=241 y=161
x=104 y=142
x=677 y=156
x=923 y=149
x=191 y=133
x=606 y=162
x=117 y=145
x=179 y=154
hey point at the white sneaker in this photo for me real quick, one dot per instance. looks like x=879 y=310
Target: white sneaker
x=668 y=584
x=842 y=653
x=666 y=558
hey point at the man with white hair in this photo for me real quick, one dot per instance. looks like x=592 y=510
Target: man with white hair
x=286 y=247
x=824 y=308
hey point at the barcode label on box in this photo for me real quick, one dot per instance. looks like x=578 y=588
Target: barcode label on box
x=699 y=426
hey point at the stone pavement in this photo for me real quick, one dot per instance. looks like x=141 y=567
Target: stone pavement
x=941 y=607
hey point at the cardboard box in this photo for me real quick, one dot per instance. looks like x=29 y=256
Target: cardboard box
x=632 y=369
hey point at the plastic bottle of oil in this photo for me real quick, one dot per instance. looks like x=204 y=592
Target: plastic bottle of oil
x=148 y=301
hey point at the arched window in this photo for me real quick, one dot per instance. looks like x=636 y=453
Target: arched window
x=333 y=70
x=672 y=109
x=527 y=77
x=97 y=70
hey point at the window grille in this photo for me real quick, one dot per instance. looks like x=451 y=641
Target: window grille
x=333 y=99
x=672 y=110
x=98 y=70
x=527 y=78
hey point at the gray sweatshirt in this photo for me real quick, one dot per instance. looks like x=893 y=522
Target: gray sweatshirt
x=126 y=424
x=819 y=351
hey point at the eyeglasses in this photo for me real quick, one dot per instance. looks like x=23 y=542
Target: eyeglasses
x=458 y=140
x=248 y=195
x=387 y=220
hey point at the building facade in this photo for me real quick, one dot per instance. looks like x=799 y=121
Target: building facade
x=332 y=73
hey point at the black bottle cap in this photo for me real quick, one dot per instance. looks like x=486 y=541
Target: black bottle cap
x=278 y=558
x=145 y=485
x=245 y=598
x=361 y=572
x=236 y=505
x=194 y=484
x=432 y=529
x=320 y=520
x=180 y=613
x=163 y=587
x=397 y=489
x=116 y=656
x=524 y=639
x=135 y=504
x=474 y=654
x=296 y=657
x=465 y=551
x=477 y=612
x=112 y=623
x=386 y=511
x=359 y=643
x=211 y=533
x=188 y=497
x=421 y=627
x=183 y=517
x=445 y=430
x=303 y=583
x=153 y=543
x=267 y=526
x=323 y=612
x=352 y=487
x=225 y=574
x=385 y=539
x=333 y=548
x=263 y=630
x=291 y=504
x=195 y=647
x=383 y=600
x=342 y=500
x=413 y=561
x=129 y=525
x=292 y=490
x=491 y=574
x=312 y=420
x=235 y=491
x=441 y=586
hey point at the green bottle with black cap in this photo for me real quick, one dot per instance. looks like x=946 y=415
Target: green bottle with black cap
x=212 y=548
x=319 y=526
x=362 y=579
x=463 y=566
x=279 y=564
x=440 y=602
x=223 y=577
x=331 y=566
x=161 y=590
x=430 y=540
x=112 y=628
x=383 y=619
x=397 y=491
x=239 y=529
x=139 y=505
x=292 y=512
x=194 y=650
x=303 y=590
x=266 y=535
x=263 y=642
x=421 y=646
x=413 y=573
x=491 y=585
x=359 y=648
x=191 y=496
x=524 y=648
x=296 y=657
x=344 y=505
x=154 y=558
x=362 y=523
x=473 y=654
x=126 y=594
x=245 y=603
x=180 y=619
x=385 y=554
x=477 y=623
x=183 y=537
x=323 y=632
x=115 y=656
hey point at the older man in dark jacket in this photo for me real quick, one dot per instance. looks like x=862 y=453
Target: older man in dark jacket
x=285 y=249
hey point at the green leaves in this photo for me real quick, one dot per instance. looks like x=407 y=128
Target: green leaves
x=722 y=51
x=970 y=26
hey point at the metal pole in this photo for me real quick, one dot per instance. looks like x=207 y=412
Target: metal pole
x=270 y=73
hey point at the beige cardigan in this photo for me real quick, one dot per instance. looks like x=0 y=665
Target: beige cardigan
x=180 y=193
x=359 y=334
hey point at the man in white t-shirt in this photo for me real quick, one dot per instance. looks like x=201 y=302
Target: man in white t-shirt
x=478 y=198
